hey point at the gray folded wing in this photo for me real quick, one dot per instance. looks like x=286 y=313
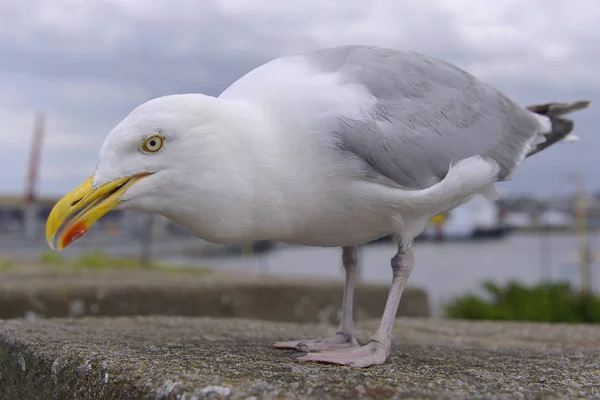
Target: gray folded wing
x=428 y=115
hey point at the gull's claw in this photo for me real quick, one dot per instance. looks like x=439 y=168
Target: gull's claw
x=338 y=342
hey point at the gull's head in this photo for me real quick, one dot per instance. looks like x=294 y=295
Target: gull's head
x=145 y=162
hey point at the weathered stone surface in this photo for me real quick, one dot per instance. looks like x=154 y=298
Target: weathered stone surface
x=196 y=358
x=58 y=293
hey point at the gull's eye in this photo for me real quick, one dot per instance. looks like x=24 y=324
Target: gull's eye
x=153 y=143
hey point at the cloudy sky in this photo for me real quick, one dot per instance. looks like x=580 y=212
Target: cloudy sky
x=88 y=63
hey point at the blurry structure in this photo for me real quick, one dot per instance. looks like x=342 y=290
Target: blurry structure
x=438 y=223
x=31 y=207
x=555 y=219
x=146 y=240
x=585 y=254
x=477 y=219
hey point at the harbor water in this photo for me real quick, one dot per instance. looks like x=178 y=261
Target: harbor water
x=444 y=269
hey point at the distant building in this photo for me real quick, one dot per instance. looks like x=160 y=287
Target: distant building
x=516 y=219
x=14 y=217
x=14 y=220
x=556 y=219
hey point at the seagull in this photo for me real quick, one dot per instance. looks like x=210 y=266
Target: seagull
x=333 y=147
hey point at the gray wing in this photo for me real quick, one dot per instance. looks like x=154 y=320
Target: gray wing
x=428 y=115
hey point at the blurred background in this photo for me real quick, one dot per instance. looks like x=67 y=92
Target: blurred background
x=71 y=70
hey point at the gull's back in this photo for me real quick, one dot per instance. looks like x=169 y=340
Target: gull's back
x=405 y=116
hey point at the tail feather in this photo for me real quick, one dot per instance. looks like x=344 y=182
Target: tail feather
x=561 y=127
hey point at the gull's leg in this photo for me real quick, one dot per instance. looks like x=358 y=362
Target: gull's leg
x=344 y=338
x=378 y=349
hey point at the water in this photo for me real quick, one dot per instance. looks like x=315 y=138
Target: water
x=443 y=270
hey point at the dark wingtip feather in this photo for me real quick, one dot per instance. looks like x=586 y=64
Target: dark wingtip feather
x=561 y=127
x=558 y=109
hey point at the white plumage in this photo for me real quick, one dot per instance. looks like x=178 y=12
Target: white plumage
x=330 y=148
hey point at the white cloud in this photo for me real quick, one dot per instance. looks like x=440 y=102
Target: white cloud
x=17 y=127
x=88 y=63
x=536 y=41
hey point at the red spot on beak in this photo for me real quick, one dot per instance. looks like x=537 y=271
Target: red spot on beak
x=74 y=233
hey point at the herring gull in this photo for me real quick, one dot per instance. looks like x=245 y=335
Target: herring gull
x=333 y=148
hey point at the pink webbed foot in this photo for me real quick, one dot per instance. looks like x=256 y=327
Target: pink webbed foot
x=373 y=353
x=338 y=342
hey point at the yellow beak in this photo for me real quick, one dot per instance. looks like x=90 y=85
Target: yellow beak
x=75 y=213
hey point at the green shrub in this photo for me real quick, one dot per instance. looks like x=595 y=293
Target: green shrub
x=51 y=257
x=7 y=264
x=545 y=302
x=99 y=260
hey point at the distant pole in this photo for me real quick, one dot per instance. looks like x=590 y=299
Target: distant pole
x=544 y=242
x=545 y=248
x=247 y=252
x=439 y=222
x=146 y=240
x=582 y=228
x=34 y=158
x=247 y=249
x=30 y=197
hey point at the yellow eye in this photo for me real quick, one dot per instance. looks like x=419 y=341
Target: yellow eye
x=153 y=143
